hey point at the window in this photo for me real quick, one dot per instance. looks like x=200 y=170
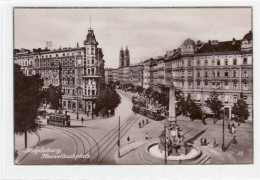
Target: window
x=226 y=73
x=189 y=84
x=182 y=62
x=206 y=85
x=213 y=74
x=235 y=73
x=63 y=54
x=245 y=73
x=245 y=86
x=189 y=63
x=206 y=62
x=198 y=62
x=64 y=103
x=235 y=61
x=226 y=62
x=93 y=60
x=218 y=74
x=213 y=62
x=235 y=85
x=206 y=74
x=189 y=73
x=182 y=73
x=235 y=98
x=218 y=62
x=226 y=85
x=198 y=84
x=198 y=74
x=245 y=61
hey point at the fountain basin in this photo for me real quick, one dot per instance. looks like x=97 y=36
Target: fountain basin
x=153 y=150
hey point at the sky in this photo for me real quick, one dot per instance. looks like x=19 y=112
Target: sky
x=148 y=32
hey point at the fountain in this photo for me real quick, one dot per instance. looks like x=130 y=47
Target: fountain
x=172 y=144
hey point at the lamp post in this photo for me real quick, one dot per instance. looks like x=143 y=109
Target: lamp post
x=78 y=88
x=223 y=131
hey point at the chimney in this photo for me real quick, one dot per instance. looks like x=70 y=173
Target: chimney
x=233 y=41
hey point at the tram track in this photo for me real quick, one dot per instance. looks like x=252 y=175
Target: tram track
x=100 y=144
x=112 y=139
x=123 y=133
x=65 y=131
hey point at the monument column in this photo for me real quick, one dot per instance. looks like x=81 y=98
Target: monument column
x=172 y=113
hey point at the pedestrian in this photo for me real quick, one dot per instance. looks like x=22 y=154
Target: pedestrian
x=146 y=136
x=146 y=121
x=205 y=142
x=202 y=141
x=229 y=128
x=143 y=122
x=215 y=143
x=128 y=139
x=82 y=120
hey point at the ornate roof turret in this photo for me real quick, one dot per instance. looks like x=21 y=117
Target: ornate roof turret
x=90 y=39
x=188 y=42
x=248 y=36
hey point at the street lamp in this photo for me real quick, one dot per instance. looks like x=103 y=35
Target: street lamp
x=223 y=131
x=78 y=88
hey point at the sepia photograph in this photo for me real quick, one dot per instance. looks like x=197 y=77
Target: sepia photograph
x=133 y=86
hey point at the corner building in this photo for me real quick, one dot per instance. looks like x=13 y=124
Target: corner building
x=79 y=71
x=224 y=67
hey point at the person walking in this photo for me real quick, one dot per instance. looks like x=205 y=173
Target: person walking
x=128 y=139
x=82 y=120
x=146 y=121
x=139 y=124
x=229 y=128
x=215 y=143
x=146 y=136
x=143 y=122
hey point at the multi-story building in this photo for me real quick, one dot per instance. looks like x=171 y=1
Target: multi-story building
x=79 y=71
x=108 y=75
x=115 y=75
x=136 y=74
x=223 y=67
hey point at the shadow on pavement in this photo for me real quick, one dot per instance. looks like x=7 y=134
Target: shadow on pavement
x=191 y=140
x=46 y=141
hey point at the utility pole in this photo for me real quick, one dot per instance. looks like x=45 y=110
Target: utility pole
x=223 y=132
x=118 y=137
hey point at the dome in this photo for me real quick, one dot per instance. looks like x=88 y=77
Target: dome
x=189 y=42
x=248 y=36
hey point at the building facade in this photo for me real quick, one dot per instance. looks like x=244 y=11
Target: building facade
x=200 y=68
x=79 y=71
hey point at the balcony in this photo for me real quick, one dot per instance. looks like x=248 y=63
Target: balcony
x=91 y=75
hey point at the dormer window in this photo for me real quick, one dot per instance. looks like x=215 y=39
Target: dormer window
x=245 y=61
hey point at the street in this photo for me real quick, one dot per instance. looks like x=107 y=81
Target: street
x=98 y=140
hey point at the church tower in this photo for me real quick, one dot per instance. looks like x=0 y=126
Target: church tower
x=127 y=57
x=121 y=58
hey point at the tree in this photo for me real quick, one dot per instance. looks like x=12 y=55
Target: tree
x=139 y=89
x=54 y=96
x=148 y=92
x=215 y=105
x=107 y=100
x=27 y=99
x=194 y=110
x=240 y=110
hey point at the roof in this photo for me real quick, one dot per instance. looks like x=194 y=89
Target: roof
x=189 y=42
x=91 y=39
x=225 y=46
x=248 y=36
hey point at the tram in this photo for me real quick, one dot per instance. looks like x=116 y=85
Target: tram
x=156 y=115
x=58 y=120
